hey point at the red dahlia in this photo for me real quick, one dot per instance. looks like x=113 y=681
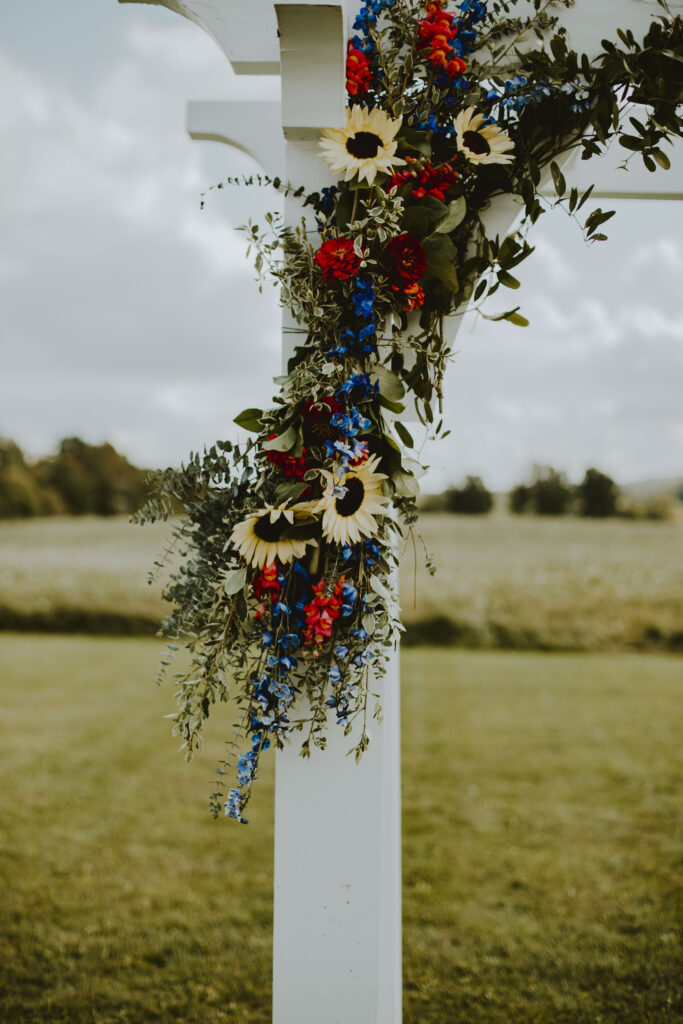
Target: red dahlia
x=337 y=258
x=406 y=261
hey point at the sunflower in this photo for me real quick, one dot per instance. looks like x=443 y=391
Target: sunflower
x=259 y=540
x=365 y=145
x=349 y=506
x=480 y=142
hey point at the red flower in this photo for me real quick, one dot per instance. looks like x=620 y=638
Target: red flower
x=455 y=66
x=358 y=74
x=406 y=260
x=337 y=258
x=426 y=180
x=291 y=465
x=435 y=34
x=321 y=612
x=266 y=585
x=321 y=408
x=415 y=298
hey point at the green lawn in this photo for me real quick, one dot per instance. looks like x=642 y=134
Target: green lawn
x=540 y=844
x=502 y=581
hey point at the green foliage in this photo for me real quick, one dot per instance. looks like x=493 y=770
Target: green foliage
x=597 y=495
x=21 y=496
x=81 y=479
x=548 y=494
x=92 y=479
x=520 y=499
x=473 y=498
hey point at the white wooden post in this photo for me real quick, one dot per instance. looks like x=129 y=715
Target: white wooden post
x=337 y=901
x=337 y=906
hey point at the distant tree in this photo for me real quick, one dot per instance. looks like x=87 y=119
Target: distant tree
x=92 y=479
x=549 y=494
x=520 y=499
x=20 y=494
x=473 y=498
x=598 y=495
x=553 y=494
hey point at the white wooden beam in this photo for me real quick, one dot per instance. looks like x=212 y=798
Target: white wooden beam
x=255 y=127
x=612 y=181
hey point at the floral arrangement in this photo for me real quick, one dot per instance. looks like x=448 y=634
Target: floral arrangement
x=286 y=596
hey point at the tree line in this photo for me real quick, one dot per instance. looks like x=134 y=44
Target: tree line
x=86 y=479
x=80 y=479
x=550 y=493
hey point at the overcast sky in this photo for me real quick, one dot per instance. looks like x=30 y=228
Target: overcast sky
x=129 y=315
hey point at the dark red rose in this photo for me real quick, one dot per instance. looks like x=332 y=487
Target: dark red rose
x=321 y=408
x=337 y=258
x=406 y=261
x=316 y=419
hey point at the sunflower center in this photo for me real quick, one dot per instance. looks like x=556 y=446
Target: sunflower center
x=353 y=499
x=363 y=145
x=476 y=143
x=270 y=532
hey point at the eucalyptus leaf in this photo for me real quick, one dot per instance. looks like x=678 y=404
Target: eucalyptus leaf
x=283 y=442
x=378 y=587
x=416 y=141
x=507 y=279
x=404 y=434
x=406 y=485
x=368 y=621
x=390 y=385
x=250 y=419
x=443 y=271
x=455 y=216
x=234 y=581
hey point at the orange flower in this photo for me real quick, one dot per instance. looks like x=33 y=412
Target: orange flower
x=436 y=34
x=415 y=298
x=322 y=611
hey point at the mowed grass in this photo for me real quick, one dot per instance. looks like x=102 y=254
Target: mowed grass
x=542 y=847
x=502 y=581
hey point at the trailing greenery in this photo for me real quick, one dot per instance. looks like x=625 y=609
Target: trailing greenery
x=288 y=589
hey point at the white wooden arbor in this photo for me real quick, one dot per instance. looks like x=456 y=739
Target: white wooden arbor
x=337 y=906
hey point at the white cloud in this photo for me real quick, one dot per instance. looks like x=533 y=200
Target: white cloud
x=130 y=315
x=116 y=288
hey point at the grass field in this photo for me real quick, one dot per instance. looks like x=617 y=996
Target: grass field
x=541 y=850
x=502 y=581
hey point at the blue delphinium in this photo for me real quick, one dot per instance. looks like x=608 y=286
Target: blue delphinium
x=517 y=93
x=358 y=384
x=350 y=423
x=580 y=96
x=361 y=340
